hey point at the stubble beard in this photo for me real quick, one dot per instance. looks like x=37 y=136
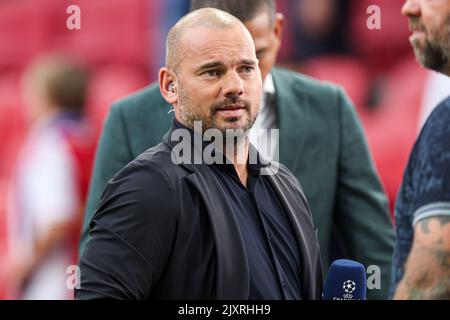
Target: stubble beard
x=190 y=113
x=435 y=54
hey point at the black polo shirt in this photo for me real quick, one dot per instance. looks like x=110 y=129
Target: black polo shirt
x=272 y=251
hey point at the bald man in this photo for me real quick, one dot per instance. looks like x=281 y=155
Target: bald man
x=230 y=226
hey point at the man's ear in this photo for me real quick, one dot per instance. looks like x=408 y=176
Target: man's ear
x=167 y=85
x=279 y=25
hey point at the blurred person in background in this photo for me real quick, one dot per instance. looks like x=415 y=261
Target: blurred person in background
x=321 y=142
x=421 y=265
x=50 y=184
x=319 y=27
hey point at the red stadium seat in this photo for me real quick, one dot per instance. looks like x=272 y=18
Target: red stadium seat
x=12 y=131
x=12 y=121
x=109 y=84
x=3 y=232
x=22 y=33
x=113 y=31
x=384 y=47
x=345 y=71
x=394 y=127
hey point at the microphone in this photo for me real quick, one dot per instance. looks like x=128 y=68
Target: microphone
x=346 y=280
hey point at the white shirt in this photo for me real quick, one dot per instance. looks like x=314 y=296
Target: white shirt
x=261 y=135
x=45 y=193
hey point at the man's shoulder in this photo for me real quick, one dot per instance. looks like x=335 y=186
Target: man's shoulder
x=300 y=95
x=144 y=101
x=437 y=123
x=303 y=84
x=435 y=135
x=426 y=177
x=144 y=117
x=153 y=163
x=444 y=107
x=143 y=186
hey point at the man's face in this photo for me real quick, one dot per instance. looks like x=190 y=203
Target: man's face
x=219 y=82
x=429 y=20
x=267 y=37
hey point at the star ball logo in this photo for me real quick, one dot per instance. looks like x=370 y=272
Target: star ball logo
x=349 y=286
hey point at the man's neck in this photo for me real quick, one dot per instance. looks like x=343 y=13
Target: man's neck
x=239 y=158
x=238 y=154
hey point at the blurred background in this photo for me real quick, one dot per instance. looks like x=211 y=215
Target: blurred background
x=120 y=48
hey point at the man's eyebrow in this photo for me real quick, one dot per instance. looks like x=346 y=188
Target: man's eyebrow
x=218 y=64
x=210 y=65
x=248 y=62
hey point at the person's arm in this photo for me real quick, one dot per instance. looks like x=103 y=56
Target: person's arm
x=362 y=213
x=112 y=154
x=427 y=271
x=132 y=234
x=56 y=234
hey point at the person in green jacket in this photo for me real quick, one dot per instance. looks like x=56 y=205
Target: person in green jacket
x=320 y=140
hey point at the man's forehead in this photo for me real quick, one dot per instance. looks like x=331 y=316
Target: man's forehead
x=210 y=43
x=201 y=38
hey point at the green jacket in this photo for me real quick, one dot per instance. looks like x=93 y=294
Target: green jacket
x=321 y=142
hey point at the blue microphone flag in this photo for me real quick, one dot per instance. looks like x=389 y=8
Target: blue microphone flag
x=346 y=280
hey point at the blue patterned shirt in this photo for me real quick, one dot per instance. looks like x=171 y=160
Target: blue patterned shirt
x=425 y=191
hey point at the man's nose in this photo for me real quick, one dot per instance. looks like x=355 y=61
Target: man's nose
x=233 y=84
x=411 y=8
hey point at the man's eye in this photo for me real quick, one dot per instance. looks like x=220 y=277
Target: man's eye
x=212 y=73
x=247 y=69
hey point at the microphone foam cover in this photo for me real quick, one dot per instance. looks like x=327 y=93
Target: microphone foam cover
x=346 y=280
